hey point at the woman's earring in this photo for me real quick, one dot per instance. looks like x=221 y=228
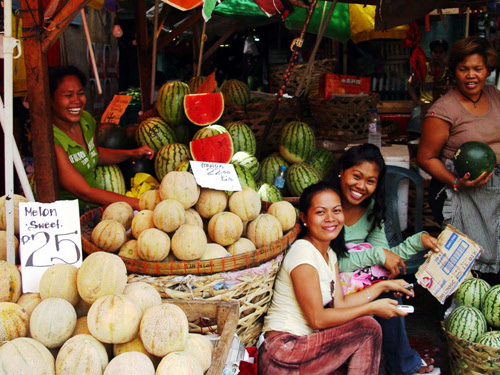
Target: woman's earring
x=339 y=175
x=305 y=224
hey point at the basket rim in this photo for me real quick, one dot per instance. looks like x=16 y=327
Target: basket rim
x=470 y=345
x=193 y=267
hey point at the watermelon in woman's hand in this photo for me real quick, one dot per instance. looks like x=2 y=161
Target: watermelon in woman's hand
x=474 y=157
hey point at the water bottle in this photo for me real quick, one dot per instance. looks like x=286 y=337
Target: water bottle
x=279 y=180
x=375 y=129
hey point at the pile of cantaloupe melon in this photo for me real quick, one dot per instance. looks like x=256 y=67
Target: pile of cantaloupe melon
x=181 y=221
x=90 y=321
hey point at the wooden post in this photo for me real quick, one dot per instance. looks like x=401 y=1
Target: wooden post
x=143 y=54
x=39 y=102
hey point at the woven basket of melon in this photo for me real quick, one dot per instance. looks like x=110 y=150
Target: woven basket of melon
x=90 y=320
x=472 y=328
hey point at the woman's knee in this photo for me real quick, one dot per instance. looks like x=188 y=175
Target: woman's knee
x=370 y=326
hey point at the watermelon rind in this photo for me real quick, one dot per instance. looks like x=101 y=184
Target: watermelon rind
x=235 y=92
x=155 y=133
x=170 y=102
x=296 y=142
x=247 y=160
x=471 y=292
x=466 y=322
x=110 y=178
x=168 y=157
x=217 y=148
x=474 y=157
x=299 y=176
x=209 y=131
x=242 y=136
x=204 y=109
x=269 y=193
x=490 y=306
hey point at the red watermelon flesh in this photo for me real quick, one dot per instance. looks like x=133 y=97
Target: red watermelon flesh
x=204 y=109
x=217 y=148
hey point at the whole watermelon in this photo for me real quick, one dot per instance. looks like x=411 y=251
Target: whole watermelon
x=155 y=133
x=299 y=176
x=110 y=177
x=242 y=136
x=491 y=338
x=269 y=193
x=168 y=157
x=170 y=102
x=269 y=168
x=323 y=160
x=490 y=306
x=235 y=92
x=111 y=136
x=474 y=157
x=471 y=292
x=195 y=82
x=247 y=160
x=466 y=322
x=296 y=142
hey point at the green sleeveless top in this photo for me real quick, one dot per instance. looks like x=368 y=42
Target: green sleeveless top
x=84 y=162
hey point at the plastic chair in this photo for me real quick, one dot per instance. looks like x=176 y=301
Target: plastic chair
x=394 y=175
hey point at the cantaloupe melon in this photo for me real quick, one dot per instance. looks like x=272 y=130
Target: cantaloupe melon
x=164 y=329
x=3 y=245
x=59 y=281
x=121 y=212
x=153 y=245
x=189 y=242
x=201 y=347
x=28 y=301
x=10 y=282
x=245 y=203
x=142 y=220
x=3 y=216
x=130 y=363
x=180 y=186
x=211 y=202
x=25 y=356
x=149 y=199
x=285 y=213
x=213 y=251
x=264 y=230
x=81 y=354
x=114 y=319
x=169 y=215
x=242 y=246
x=109 y=235
x=135 y=345
x=53 y=322
x=144 y=295
x=129 y=250
x=179 y=362
x=101 y=274
x=13 y=321
x=225 y=228
x=193 y=217
x=81 y=327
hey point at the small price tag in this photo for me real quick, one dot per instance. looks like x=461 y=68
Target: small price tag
x=218 y=176
x=49 y=233
x=116 y=109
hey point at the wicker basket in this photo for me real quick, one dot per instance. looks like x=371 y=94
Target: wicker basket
x=89 y=220
x=256 y=115
x=277 y=73
x=252 y=288
x=342 y=117
x=468 y=357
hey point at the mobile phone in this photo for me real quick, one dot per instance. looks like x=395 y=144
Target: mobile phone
x=407 y=308
x=408 y=286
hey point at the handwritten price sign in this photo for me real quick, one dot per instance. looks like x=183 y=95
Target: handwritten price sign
x=218 y=176
x=49 y=233
x=116 y=109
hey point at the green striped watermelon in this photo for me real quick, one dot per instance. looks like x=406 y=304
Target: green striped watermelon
x=208 y=131
x=268 y=192
x=183 y=166
x=323 y=160
x=155 y=133
x=491 y=338
x=490 y=306
x=170 y=102
x=247 y=160
x=299 y=176
x=269 y=168
x=168 y=157
x=242 y=136
x=195 y=82
x=471 y=292
x=110 y=178
x=296 y=142
x=235 y=92
x=245 y=177
x=466 y=322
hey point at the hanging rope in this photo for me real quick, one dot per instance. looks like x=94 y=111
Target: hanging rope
x=295 y=47
x=322 y=28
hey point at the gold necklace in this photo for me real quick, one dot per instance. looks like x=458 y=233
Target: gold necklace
x=473 y=101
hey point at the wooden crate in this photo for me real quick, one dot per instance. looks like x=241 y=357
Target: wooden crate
x=223 y=314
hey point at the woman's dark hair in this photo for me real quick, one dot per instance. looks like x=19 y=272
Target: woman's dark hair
x=355 y=156
x=463 y=48
x=337 y=244
x=57 y=74
x=439 y=43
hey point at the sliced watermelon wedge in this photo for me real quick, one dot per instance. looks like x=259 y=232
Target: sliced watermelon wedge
x=184 y=4
x=204 y=109
x=217 y=148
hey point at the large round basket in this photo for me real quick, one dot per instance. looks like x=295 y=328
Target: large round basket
x=467 y=357
x=252 y=288
x=89 y=220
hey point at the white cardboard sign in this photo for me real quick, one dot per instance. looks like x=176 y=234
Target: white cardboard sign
x=49 y=233
x=218 y=176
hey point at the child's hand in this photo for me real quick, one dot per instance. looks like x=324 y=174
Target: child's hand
x=429 y=242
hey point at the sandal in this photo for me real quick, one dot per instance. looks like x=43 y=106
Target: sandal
x=428 y=368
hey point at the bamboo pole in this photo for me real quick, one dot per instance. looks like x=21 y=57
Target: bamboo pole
x=153 y=57
x=91 y=52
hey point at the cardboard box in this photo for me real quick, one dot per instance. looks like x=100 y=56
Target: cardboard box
x=443 y=272
x=336 y=84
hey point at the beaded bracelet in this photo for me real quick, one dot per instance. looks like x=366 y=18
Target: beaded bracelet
x=455 y=184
